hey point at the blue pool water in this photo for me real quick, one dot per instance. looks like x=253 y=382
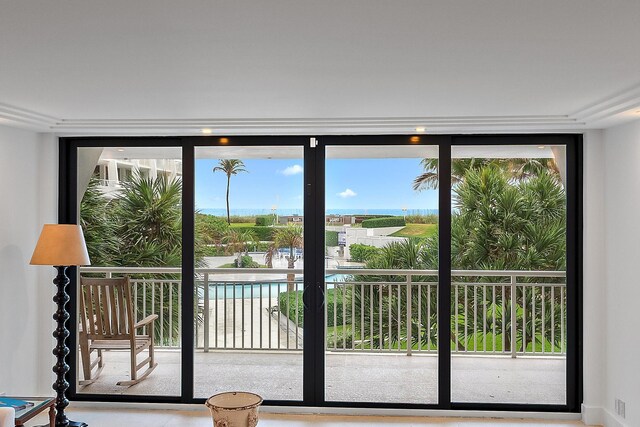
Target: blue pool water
x=258 y=290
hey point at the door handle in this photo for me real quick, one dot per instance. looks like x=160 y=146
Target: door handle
x=320 y=287
x=306 y=297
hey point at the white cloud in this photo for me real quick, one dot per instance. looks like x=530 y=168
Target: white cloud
x=292 y=170
x=347 y=193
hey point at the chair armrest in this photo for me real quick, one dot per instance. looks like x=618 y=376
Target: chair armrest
x=146 y=321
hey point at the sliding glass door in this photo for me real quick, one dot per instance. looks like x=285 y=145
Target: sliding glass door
x=401 y=271
x=509 y=263
x=381 y=283
x=249 y=259
x=129 y=204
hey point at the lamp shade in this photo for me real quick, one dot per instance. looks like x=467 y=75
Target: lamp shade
x=61 y=245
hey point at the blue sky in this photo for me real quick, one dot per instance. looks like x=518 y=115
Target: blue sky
x=350 y=183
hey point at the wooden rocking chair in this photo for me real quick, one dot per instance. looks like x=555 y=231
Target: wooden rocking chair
x=107 y=323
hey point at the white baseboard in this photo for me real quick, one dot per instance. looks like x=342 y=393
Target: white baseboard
x=592 y=415
x=339 y=411
x=611 y=420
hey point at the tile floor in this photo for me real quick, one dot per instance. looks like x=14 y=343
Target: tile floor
x=162 y=418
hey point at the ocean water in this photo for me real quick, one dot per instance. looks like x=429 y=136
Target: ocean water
x=299 y=211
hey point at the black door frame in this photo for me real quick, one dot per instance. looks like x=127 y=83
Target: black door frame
x=314 y=186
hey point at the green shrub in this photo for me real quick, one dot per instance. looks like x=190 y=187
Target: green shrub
x=362 y=253
x=394 y=221
x=265 y=220
x=214 y=250
x=331 y=238
x=246 y=262
x=210 y=228
x=261 y=232
x=339 y=337
x=359 y=218
x=259 y=246
x=287 y=301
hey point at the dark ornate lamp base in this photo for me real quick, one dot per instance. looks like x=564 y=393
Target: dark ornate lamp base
x=61 y=350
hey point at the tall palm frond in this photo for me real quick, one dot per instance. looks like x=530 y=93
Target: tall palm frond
x=229 y=167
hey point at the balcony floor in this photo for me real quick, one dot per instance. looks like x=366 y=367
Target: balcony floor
x=351 y=377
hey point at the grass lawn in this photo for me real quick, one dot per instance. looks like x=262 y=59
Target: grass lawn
x=243 y=224
x=416 y=230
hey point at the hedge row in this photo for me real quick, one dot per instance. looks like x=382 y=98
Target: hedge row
x=362 y=253
x=394 y=221
x=331 y=238
x=265 y=220
x=259 y=231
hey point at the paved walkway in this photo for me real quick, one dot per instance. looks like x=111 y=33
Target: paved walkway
x=354 y=377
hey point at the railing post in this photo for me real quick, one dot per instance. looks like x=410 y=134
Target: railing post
x=205 y=315
x=513 y=317
x=409 y=315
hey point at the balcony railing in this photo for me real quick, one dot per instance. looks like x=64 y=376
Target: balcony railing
x=512 y=313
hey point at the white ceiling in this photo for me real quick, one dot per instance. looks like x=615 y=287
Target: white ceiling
x=330 y=66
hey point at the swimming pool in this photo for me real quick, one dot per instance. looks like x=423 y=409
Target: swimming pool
x=257 y=290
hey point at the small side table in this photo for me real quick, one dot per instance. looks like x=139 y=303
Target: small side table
x=40 y=404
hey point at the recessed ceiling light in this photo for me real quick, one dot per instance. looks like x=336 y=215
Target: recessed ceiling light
x=206 y=131
x=421 y=129
x=121 y=149
x=542 y=147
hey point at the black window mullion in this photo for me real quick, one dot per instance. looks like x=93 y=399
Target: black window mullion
x=444 y=274
x=574 y=274
x=314 y=327
x=188 y=270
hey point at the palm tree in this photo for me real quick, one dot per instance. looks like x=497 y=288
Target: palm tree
x=501 y=222
x=519 y=169
x=229 y=167
x=99 y=225
x=290 y=237
x=148 y=213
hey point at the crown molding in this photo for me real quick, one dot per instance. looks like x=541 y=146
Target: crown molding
x=26 y=118
x=321 y=125
x=591 y=115
x=609 y=107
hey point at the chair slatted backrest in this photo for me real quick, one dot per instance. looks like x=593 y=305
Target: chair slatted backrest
x=106 y=308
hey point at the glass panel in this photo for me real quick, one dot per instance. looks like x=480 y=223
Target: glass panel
x=381 y=214
x=130 y=202
x=249 y=260
x=508 y=294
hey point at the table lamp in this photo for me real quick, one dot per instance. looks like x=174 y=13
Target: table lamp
x=61 y=246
